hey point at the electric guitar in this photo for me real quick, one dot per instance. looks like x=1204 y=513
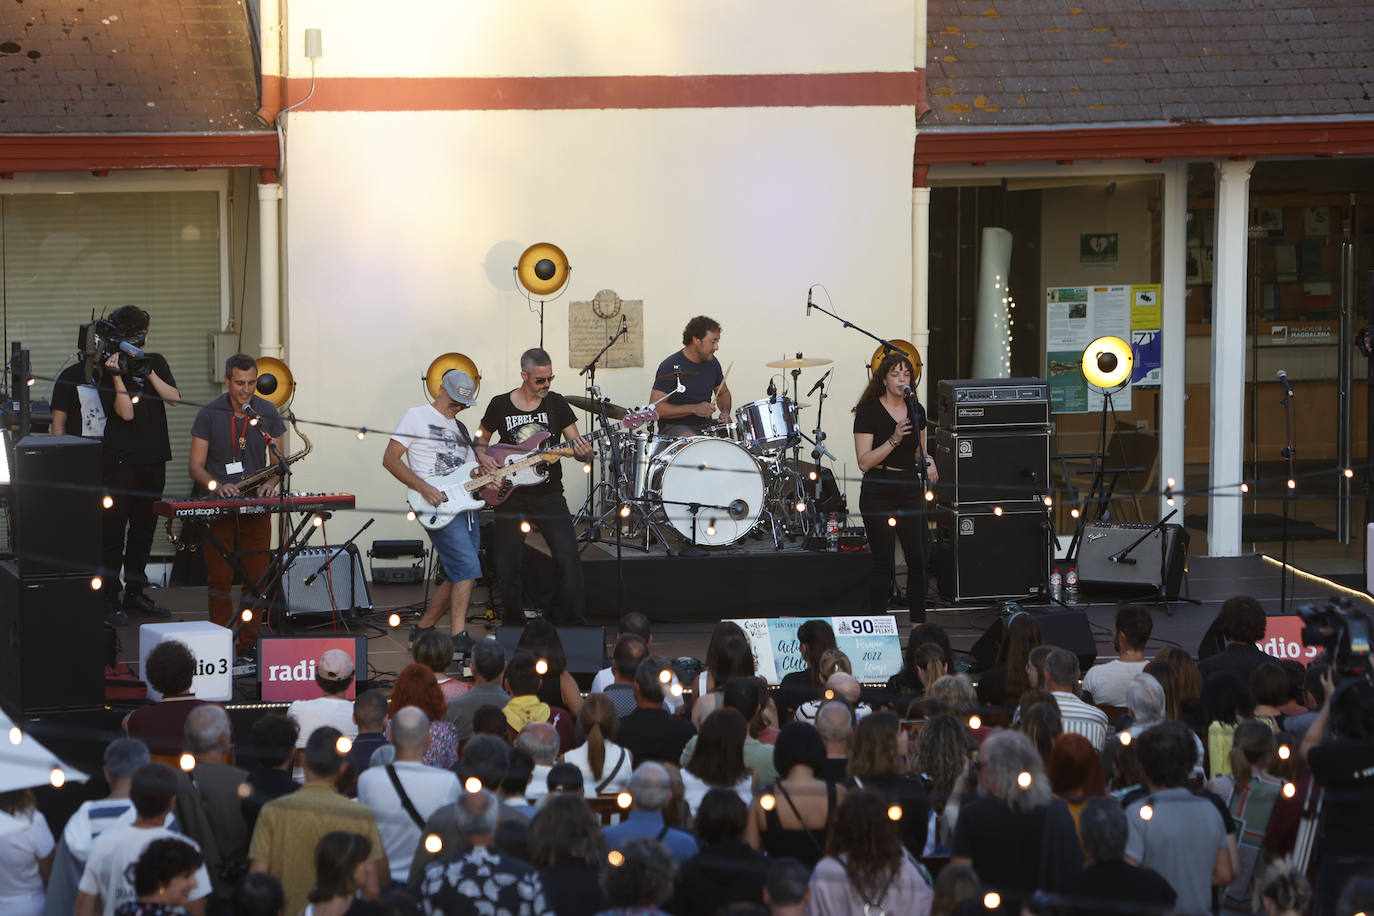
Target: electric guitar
x=468 y=487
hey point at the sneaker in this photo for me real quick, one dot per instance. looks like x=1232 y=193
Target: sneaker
x=115 y=616
x=141 y=603
x=415 y=632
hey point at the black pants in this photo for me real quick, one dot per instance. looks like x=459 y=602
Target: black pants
x=887 y=495
x=134 y=488
x=547 y=512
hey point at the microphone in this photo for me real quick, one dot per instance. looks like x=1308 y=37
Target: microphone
x=1283 y=377
x=908 y=393
x=738 y=509
x=808 y=303
x=819 y=382
x=772 y=389
x=249 y=411
x=1127 y=560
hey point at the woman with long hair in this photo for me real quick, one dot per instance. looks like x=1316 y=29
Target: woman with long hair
x=718 y=761
x=345 y=877
x=887 y=431
x=163 y=878
x=908 y=682
x=605 y=765
x=877 y=761
x=706 y=681
x=1035 y=666
x=1250 y=792
x=540 y=638
x=864 y=868
x=1040 y=721
x=1184 y=689
x=26 y=855
x=814 y=637
x=733 y=658
x=415 y=686
x=567 y=846
x=1003 y=684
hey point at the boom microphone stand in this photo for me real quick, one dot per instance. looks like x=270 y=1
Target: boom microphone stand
x=588 y=509
x=1290 y=452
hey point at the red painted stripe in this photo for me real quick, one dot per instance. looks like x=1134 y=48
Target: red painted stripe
x=1174 y=141
x=120 y=152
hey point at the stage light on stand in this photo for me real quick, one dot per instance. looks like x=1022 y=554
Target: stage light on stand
x=1107 y=363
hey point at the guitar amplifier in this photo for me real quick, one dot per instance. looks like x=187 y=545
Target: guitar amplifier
x=342 y=586
x=1165 y=550
x=992 y=466
x=978 y=555
x=992 y=402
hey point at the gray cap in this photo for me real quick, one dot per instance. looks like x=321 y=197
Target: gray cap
x=460 y=386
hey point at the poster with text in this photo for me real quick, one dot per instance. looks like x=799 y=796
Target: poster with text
x=1075 y=316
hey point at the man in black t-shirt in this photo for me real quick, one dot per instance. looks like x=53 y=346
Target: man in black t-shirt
x=688 y=413
x=135 y=460
x=512 y=418
x=76 y=407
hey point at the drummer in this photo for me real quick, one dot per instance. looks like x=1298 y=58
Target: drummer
x=688 y=413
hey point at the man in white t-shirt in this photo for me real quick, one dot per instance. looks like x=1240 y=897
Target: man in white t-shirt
x=334 y=674
x=428 y=442
x=636 y=624
x=104 y=884
x=1107 y=683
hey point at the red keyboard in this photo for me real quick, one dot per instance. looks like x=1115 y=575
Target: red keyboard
x=253 y=505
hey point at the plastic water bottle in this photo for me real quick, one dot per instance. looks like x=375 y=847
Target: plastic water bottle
x=832 y=534
x=1071 y=585
x=1056 y=585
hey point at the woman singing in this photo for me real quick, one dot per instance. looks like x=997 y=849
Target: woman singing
x=886 y=445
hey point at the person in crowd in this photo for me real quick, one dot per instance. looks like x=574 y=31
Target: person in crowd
x=334 y=675
x=1182 y=687
x=346 y=879
x=745 y=695
x=1239 y=625
x=727 y=870
x=169 y=669
x=1281 y=834
x=1003 y=684
x=1131 y=630
x=841 y=685
x=1147 y=704
x=369 y=715
x=914 y=678
x=1285 y=890
x=605 y=765
x=491 y=720
x=474 y=876
x=259 y=895
x=921 y=667
x=514 y=783
x=791 y=819
x=835 y=723
x=1269 y=694
x=1075 y=773
x=1172 y=831
x=953 y=694
x=814 y=637
x=877 y=762
x=786 y=887
x=434 y=650
x=209 y=803
x=1016 y=811
x=106 y=882
x=638 y=625
x=289 y=827
x=675 y=811
x=272 y=744
x=488 y=673
x=1250 y=792
x=707 y=682
x=1313 y=695
x=938 y=757
x=557 y=688
x=1035 y=667
x=864 y=868
x=1226 y=704
x=567 y=846
x=1040 y=721
x=164 y=878
x=523 y=682
x=718 y=760
x=403 y=794
x=629 y=652
x=564 y=779
x=651 y=732
x=415 y=686
x=1339 y=748
x=957 y=890
x=650 y=789
x=637 y=877
x=26 y=854
x=540 y=741
x=1061 y=678
x=734 y=659
x=1108 y=878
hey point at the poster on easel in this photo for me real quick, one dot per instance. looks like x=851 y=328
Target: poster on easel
x=1075 y=316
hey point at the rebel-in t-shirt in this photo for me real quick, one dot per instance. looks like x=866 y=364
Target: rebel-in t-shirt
x=700 y=387
x=233 y=438
x=872 y=417
x=80 y=401
x=509 y=424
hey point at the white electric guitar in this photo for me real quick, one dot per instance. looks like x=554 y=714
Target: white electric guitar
x=468 y=487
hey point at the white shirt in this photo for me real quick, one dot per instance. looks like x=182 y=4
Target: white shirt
x=95 y=817
x=1082 y=719
x=114 y=851
x=696 y=789
x=619 y=782
x=606 y=677
x=312 y=714
x=429 y=789
x=1107 y=683
x=434 y=444
x=539 y=783
x=21 y=886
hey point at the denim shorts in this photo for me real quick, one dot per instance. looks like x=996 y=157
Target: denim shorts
x=456 y=544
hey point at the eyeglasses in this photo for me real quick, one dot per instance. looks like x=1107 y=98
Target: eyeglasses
x=542 y=381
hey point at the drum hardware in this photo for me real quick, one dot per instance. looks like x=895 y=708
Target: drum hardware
x=677 y=376
x=594 y=405
x=800 y=362
x=604 y=410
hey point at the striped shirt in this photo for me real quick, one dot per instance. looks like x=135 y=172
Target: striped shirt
x=1082 y=719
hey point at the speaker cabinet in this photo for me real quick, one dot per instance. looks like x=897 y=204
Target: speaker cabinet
x=585 y=647
x=56 y=506
x=980 y=555
x=992 y=467
x=52 y=631
x=308 y=589
x=1066 y=629
x=1164 y=551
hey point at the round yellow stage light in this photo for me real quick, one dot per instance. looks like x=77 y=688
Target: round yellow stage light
x=1107 y=363
x=542 y=269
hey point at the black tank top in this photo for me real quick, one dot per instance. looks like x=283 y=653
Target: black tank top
x=805 y=845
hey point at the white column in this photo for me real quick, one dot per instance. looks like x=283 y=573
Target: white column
x=920 y=282
x=1174 y=331
x=1228 y=358
x=269 y=264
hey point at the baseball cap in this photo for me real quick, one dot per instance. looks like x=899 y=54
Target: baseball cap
x=334 y=665
x=460 y=386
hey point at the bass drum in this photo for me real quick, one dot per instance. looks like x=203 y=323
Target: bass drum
x=713 y=473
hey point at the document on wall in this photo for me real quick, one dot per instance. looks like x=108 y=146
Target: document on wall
x=1075 y=316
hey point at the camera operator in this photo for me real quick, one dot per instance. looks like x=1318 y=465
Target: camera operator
x=135 y=392
x=1342 y=762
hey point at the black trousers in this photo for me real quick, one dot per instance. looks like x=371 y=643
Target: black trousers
x=127 y=526
x=547 y=512
x=886 y=495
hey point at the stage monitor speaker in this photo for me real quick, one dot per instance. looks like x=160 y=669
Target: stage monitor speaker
x=308 y=589
x=1103 y=541
x=53 y=636
x=981 y=555
x=992 y=467
x=585 y=647
x=1065 y=629
x=56 y=506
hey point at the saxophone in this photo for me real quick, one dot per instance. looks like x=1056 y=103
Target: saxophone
x=256 y=478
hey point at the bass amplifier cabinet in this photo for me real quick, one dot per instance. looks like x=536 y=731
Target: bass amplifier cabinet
x=981 y=403
x=1102 y=541
x=52 y=643
x=992 y=467
x=56 y=506
x=308 y=589
x=978 y=555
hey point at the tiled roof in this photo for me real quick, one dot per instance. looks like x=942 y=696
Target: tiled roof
x=1020 y=63
x=81 y=66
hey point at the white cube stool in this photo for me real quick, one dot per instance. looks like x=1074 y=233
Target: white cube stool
x=211 y=644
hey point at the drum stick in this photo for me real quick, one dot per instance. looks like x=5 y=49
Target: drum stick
x=722 y=381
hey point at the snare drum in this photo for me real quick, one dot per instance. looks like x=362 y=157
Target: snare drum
x=768 y=424
x=720 y=476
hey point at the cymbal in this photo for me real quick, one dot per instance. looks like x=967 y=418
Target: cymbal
x=681 y=373
x=798 y=363
x=613 y=411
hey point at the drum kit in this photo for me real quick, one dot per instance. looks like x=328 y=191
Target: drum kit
x=742 y=475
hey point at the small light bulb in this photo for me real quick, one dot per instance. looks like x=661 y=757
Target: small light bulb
x=1348 y=472
x=1023 y=779
x=1285 y=752
x=30 y=381
x=665 y=676
x=247 y=615
x=767 y=802
x=1245 y=488
x=16 y=735
x=57 y=778
x=434 y=844
x=1146 y=812
x=992 y=900
x=525 y=527
x=1171 y=483
x=586 y=469
x=212 y=486
x=317 y=521
x=1289 y=790
x=343 y=745
x=107 y=501
x=1073 y=513
x=96 y=583
x=830 y=694
x=891 y=522
x=394 y=620
x=675 y=690
x=472 y=784
x=625 y=511
x=710 y=530
x=1125 y=739
x=244 y=790
x=1169 y=501
x=410 y=516
x=1048 y=501
x=362 y=434
x=187 y=762
x=1292 y=484
x=974 y=723
x=997 y=511
x=894 y=813
x=812 y=476
x=253 y=421
x=624 y=800
x=801 y=506
x=930 y=496
x=134 y=399
x=541 y=667
x=616 y=858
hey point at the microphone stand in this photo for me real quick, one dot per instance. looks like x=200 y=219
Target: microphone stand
x=589 y=505
x=330 y=556
x=887 y=345
x=923 y=475
x=1289 y=452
